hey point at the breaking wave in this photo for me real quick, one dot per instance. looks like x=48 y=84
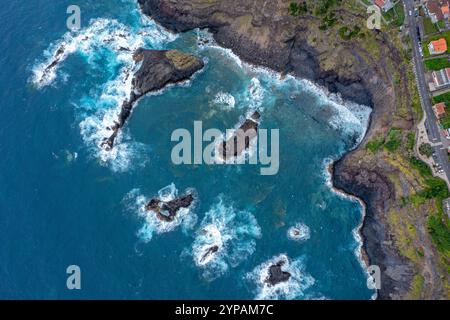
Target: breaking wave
x=224 y=100
x=299 y=232
x=135 y=201
x=293 y=288
x=225 y=238
x=98 y=113
x=348 y=117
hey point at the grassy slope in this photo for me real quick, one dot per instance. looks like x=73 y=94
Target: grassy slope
x=415 y=219
x=395 y=148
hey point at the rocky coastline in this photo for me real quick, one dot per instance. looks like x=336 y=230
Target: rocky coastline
x=158 y=69
x=268 y=36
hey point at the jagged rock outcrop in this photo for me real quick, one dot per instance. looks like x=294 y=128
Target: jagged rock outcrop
x=240 y=141
x=276 y=274
x=159 y=68
x=167 y=210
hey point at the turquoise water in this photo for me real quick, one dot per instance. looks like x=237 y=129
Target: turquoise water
x=65 y=201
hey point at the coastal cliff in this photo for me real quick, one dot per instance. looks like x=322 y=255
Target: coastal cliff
x=330 y=45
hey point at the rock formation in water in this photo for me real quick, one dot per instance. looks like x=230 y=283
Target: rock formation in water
x=167 y=210
x=368 y=69
x=276 y=274
x=240 y=140
x=158 y=69
x=207 y=256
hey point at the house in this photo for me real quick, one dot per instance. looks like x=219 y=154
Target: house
x=438 y=46
x=438 y=10
x=439 y=109
x=384 y=5
x=441 y=77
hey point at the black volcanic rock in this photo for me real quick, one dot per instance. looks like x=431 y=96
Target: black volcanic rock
x=211 y=250
x=276 y=274
x=159 y=68
x=240 y=140
x=167 y=211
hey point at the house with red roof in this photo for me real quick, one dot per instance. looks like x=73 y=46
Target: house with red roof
x=438 y=46
x=438 y=10
x=384 y=5
x=439 y=109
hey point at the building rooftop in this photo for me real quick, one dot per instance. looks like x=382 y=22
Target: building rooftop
x=439 y=45
x=439 y=109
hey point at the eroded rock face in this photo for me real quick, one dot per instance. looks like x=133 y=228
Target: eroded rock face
x=167 y=211
x=378 y=193
x=159 y=68
x=261 y=32
x=277 y=275
x=240 y=141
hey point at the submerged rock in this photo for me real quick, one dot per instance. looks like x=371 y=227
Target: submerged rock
x=276 y=274
x=159 y=68
x=167 y=210
x=209 y=254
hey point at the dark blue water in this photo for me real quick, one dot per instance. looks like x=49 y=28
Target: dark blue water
x=64 y=201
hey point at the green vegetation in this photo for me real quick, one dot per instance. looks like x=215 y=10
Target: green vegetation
x=323 y=6
x=437 y=64
x=416 y=287
x=296 y=9
x=445 y=35
x=375 y=145
x=426 y=150
x=347 y=34
x=328 y=21
x=436 y=189
x=439 y=233
x=429 y=26
x=396 y=15
x=393 y=141
x=445 y=120
x=445 y=97
x=421 y=166
x=410 y=141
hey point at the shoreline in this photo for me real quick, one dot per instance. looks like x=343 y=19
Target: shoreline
x=361 y=83
x=360 y=252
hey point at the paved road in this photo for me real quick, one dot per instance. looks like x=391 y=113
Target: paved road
x=433 y=130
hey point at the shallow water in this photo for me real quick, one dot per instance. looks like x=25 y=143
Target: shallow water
x=65 y=201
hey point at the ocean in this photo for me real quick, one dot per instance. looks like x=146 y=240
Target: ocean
x=65 y=201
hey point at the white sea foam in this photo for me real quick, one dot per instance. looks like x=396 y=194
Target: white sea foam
x=348 y=117
x=291 y=289
x=99 y=113
x=299 y=232
x=224 y=100
x=356 y=232
x=233 y=233
x=185 y=218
